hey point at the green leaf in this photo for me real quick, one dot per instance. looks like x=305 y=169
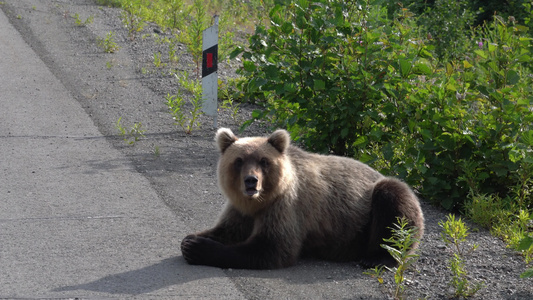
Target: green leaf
x=319 y=84
x=388 y=152
x=256 y=83
x=425 y=54
x=515 y=155
x=481 y=53
x=447 y=203
x=256 y=114
x=289 y=87
x=449 y=70
x=274 y=15
x=272 y=72
x=447 y=141
x=422 y=69
x=405 y=67
x=344 y=132
x=249 y=66
x=520 y=28
x=301 y=22
x=527 y=273
x=366 y=158
x=527 y=137
x=238 y=50
x=525 y=243
x=466 y=64
x=287 y=28
x=513 y=77
x=361 y=140
x=450 y=86
x=524 y=58
x=500 y=171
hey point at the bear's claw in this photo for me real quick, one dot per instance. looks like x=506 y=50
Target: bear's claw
x=197 y=249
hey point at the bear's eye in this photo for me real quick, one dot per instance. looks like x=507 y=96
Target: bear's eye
x=238 y=163
x=264 y=162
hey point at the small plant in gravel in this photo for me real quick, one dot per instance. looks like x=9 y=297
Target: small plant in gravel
x=109 y=3
x=376 y=272
x=134 y=134
x=158 y=63
x=504 y=217
x=108 y=43
x=454 y=235
x=177 y=102
x=175 y=105
x=229 y=103
x=132 y=20
x=192 y=36
x=173 y=53
x=184 y=81
x=399 y=246
x=80 y=22
x=156 y=151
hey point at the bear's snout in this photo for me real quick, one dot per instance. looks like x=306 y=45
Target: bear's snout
x=250 y=184
x=250 y=181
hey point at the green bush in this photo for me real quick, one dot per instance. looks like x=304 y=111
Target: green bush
x=321 y=69
x=483 y=132
x=483 y=10
x=347 y=80
x=472 y=130
x=447 y=23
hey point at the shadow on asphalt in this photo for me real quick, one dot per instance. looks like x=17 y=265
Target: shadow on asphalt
x=168 y=272
x=174 y=271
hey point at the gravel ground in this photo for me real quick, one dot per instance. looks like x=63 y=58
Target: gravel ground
x=181 y=167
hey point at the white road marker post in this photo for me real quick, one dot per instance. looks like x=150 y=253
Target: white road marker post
x=209 y=71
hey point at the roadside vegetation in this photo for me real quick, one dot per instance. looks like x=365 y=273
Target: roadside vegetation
x=454 y=234
x=440 y=95
x=450 y=112
x=183 y=21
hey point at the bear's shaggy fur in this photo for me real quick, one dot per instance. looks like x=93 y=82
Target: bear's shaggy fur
x=284 y=202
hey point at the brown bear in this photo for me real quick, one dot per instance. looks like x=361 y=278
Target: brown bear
x=284 y=202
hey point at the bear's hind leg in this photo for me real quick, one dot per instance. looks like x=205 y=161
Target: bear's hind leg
x=391 y=199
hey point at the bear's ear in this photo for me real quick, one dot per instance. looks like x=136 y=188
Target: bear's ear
x=280 y=139
x=224 y=138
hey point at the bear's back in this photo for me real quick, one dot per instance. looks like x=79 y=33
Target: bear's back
x=334 y=193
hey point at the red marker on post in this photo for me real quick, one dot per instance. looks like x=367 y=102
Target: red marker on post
x=209 y=71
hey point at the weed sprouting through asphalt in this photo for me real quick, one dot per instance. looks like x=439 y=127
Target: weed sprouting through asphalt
x=176 y=103
x=132 y=135
x=454 y=235
x=108 y=43
x=80 y=22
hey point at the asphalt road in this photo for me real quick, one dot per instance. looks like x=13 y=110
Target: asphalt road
x=76 y=219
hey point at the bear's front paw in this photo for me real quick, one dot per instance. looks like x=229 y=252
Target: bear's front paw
x=198 y=250
x=187 y=248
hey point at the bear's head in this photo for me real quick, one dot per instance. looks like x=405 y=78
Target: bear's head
x=254 y=171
